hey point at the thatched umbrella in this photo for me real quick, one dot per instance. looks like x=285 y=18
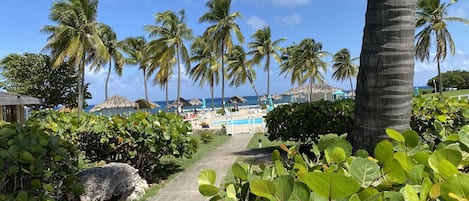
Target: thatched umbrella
x=143 y=104
x=195 y=102
x=237 y=99
x=114 y=102
x=182 y=103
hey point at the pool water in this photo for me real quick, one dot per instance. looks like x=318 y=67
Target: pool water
x=240 y=121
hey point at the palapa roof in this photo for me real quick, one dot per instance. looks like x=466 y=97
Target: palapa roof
x=195 y=102
x=143 y=104
x=114 y=102
x=7 y=98
x=237 y=99
x=182 y=103
x=314 y=88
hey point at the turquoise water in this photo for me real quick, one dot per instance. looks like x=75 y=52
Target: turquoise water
x=240 y=121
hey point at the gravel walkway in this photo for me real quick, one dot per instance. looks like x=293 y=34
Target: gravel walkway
x=185 y=187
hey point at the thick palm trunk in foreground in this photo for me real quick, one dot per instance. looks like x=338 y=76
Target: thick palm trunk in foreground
x=385 y=78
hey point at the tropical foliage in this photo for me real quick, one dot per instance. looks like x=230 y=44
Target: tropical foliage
x=140 y=139
x=432 y=22
x=263 y=47
x=223 y=23
x=33 y=75
x=451 y=79
x=305 y=122
x=75 y=39
x=401 y=168
x=35 y=165
x=172 y=32
x=343 y=66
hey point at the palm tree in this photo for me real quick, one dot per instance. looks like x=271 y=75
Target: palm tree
x=207 y=69
x=432 y=20
x=344 y=66
x=75 y=38
x=163 y=76
x=262 y=47
x=304 y=61
x=173 y=31
x=135 y=48
x=239 y=69
x=109 y=38
x=223 y=23
x=385 y=78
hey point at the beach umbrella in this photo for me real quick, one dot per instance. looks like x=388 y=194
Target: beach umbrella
x=182 y=103
x=143 y=104
x=195 y=102
x=237 y=99
x=114 y=102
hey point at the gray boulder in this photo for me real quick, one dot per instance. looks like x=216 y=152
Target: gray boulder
x=114 y=181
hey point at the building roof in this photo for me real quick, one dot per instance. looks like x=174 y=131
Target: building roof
x=114 y=102
x=7 y=98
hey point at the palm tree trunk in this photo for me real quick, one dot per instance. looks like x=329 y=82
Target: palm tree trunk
x=267 y=64
x=144 y=69
x=212 y=92
x=385 y=79
x=178 y=96
x=257 y=94
x=81 y=78
x=222 y=76
x=440 y=80
x=107 y=80
x=167 y=96
x=351 y=85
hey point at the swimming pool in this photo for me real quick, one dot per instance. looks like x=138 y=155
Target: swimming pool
x=240 y=121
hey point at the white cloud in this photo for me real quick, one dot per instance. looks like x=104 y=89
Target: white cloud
x=256 y=23
x=293 y=19
x=425 y=66
x=291 y=2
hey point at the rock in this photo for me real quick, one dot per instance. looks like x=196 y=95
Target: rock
x=114 y=181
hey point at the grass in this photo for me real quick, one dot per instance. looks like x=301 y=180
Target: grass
x=266 y=143
x=172 y=167
x=448 y=93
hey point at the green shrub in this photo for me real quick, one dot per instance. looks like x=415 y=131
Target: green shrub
x=35 y=165
x=140 y=139
x=402 y=169
x=206 y=136
x=304 y=122
x=450 y=113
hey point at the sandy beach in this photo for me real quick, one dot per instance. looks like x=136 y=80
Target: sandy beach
x=246 y=115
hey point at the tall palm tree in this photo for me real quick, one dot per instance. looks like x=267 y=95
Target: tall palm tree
x=263 y=47
x=109 y=38
x=344 y=66
x=223 y=23
x=173 y=31
x=385 y=78
x=207 y=69
x=163 y=76
x=239 y=69
x=136 y=50
x=432 y=20
x=75 y=38
x=304 y=61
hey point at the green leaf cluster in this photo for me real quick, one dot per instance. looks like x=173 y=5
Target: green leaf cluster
x=304 y=122
x=434 y=119
x=35 y=165
x=453 y=79
x=403 y=168
x=139 y=139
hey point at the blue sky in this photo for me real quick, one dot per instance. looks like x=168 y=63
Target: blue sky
x=336 y=24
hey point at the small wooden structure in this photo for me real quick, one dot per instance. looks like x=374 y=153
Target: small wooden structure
x=13 y=106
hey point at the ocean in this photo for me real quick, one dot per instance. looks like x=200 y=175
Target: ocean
x=251 y=101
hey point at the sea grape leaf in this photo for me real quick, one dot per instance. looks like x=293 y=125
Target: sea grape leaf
x=330 y=185
x=207 y=177
x=395 y=135
x=452 y=156
x=456 y=186
x=384 y=151
x=263 y=188
x=326 y=140
x=284 y=187
x=208 y=189
x=364 y=171
x=447 y=169
x=300 y=192
x=239 y=172
x=411 y=138
x=410 y=193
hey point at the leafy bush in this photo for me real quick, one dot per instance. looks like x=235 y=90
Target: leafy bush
x=206 y=136
x=430 y=114
x=140 y=139
x=35 y=165
x=304 y=122
x=402 y=169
